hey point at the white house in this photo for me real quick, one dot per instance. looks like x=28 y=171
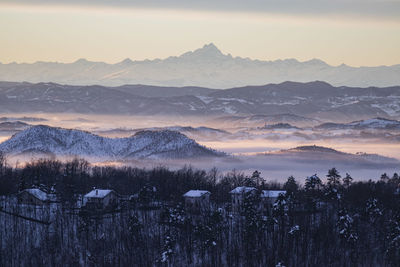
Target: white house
x=238 y=194
x=35 y=196
x=100 y=198
x=268 y=197
x=197 y=200
x=272 y=195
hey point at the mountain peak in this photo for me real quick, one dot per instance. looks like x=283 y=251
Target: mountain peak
x=81 y=61
x=206 y=52
x=126 y=61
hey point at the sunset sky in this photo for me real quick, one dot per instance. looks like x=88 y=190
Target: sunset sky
x=355 y=32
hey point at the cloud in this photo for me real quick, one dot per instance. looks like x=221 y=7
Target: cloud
x=369 y=8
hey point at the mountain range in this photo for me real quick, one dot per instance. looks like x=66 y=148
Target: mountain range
x=66 y=142
x=375 y=123
x=206 y=67
x=289 y=100
x=320 y=154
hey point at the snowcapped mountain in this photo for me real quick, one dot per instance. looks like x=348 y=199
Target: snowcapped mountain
x=143 y=145
x=206 y=66
x=375 y=123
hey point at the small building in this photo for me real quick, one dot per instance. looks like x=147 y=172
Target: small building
x=197 y=200
x=238 y=194
x=34 y=196
x=271 y=195
x=101 y=198
x=268 y=198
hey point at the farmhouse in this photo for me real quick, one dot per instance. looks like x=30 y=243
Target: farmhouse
x=34 y=196
x=238 y=194
x=271 y=195
x=196 y=200
x=100 y=198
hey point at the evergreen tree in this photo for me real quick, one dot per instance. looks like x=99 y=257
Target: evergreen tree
x=146 y=195
x=313 y=183
x=347 y=180
x=372 y=210
x=384 y=178
x=345 y=227
x=256 y=178
x=333 y=178
x=393 y=238
x=167 y=251
x=291 y=186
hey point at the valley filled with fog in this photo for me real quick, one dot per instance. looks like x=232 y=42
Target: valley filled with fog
x=366 y=148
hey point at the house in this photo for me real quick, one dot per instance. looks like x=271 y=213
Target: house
x=238 y=194
x=101 y=198
x=197 y=200
x=271 y=195
x=268 y=197
x=35 y=196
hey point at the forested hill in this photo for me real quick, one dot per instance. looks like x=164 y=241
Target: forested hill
x=326 y=220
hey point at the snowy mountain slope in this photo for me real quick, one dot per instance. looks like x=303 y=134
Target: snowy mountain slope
x=65 y=142
x=206 y=66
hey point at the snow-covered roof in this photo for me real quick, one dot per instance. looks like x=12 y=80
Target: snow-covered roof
x=196 y=193
x=98 y=193
x=272 y=193
x=242 y=189
x=39 y=194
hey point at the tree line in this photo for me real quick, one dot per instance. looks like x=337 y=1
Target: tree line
x=327 y=220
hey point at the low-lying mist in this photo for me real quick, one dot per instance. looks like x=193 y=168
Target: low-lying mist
x=239 y=142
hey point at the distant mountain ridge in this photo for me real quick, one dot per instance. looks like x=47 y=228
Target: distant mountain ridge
x=375 y=123
x=206 y=67
x=143 y=145
x=273 y=103
x=326 y=154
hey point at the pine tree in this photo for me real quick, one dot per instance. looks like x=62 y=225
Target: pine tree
x=256 y=178
x=134 y=227
x=168 y=250
x=347 y=181
x=384 y=178
x=393 y=237
x=372 y=210
x=345 y=227
x=313 y=183
x=146 y=195
x=291 y=186
x=333 y=178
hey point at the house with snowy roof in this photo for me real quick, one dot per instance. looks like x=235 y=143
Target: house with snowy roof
x=197 y=200
x=268 y=197
x=100 y=198
x=272 y=195
x=238 y=194
x=35 y=196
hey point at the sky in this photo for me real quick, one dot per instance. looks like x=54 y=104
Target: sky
x=354 y=32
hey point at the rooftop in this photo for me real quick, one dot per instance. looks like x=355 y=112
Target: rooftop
x=196 y=193
x=98 y=193
x=272 y=193
x=39 y=194
x=242 y=189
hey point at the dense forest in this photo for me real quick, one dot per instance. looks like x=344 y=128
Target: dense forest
x=325 y=220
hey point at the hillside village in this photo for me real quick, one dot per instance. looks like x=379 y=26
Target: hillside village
x=73 y=212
